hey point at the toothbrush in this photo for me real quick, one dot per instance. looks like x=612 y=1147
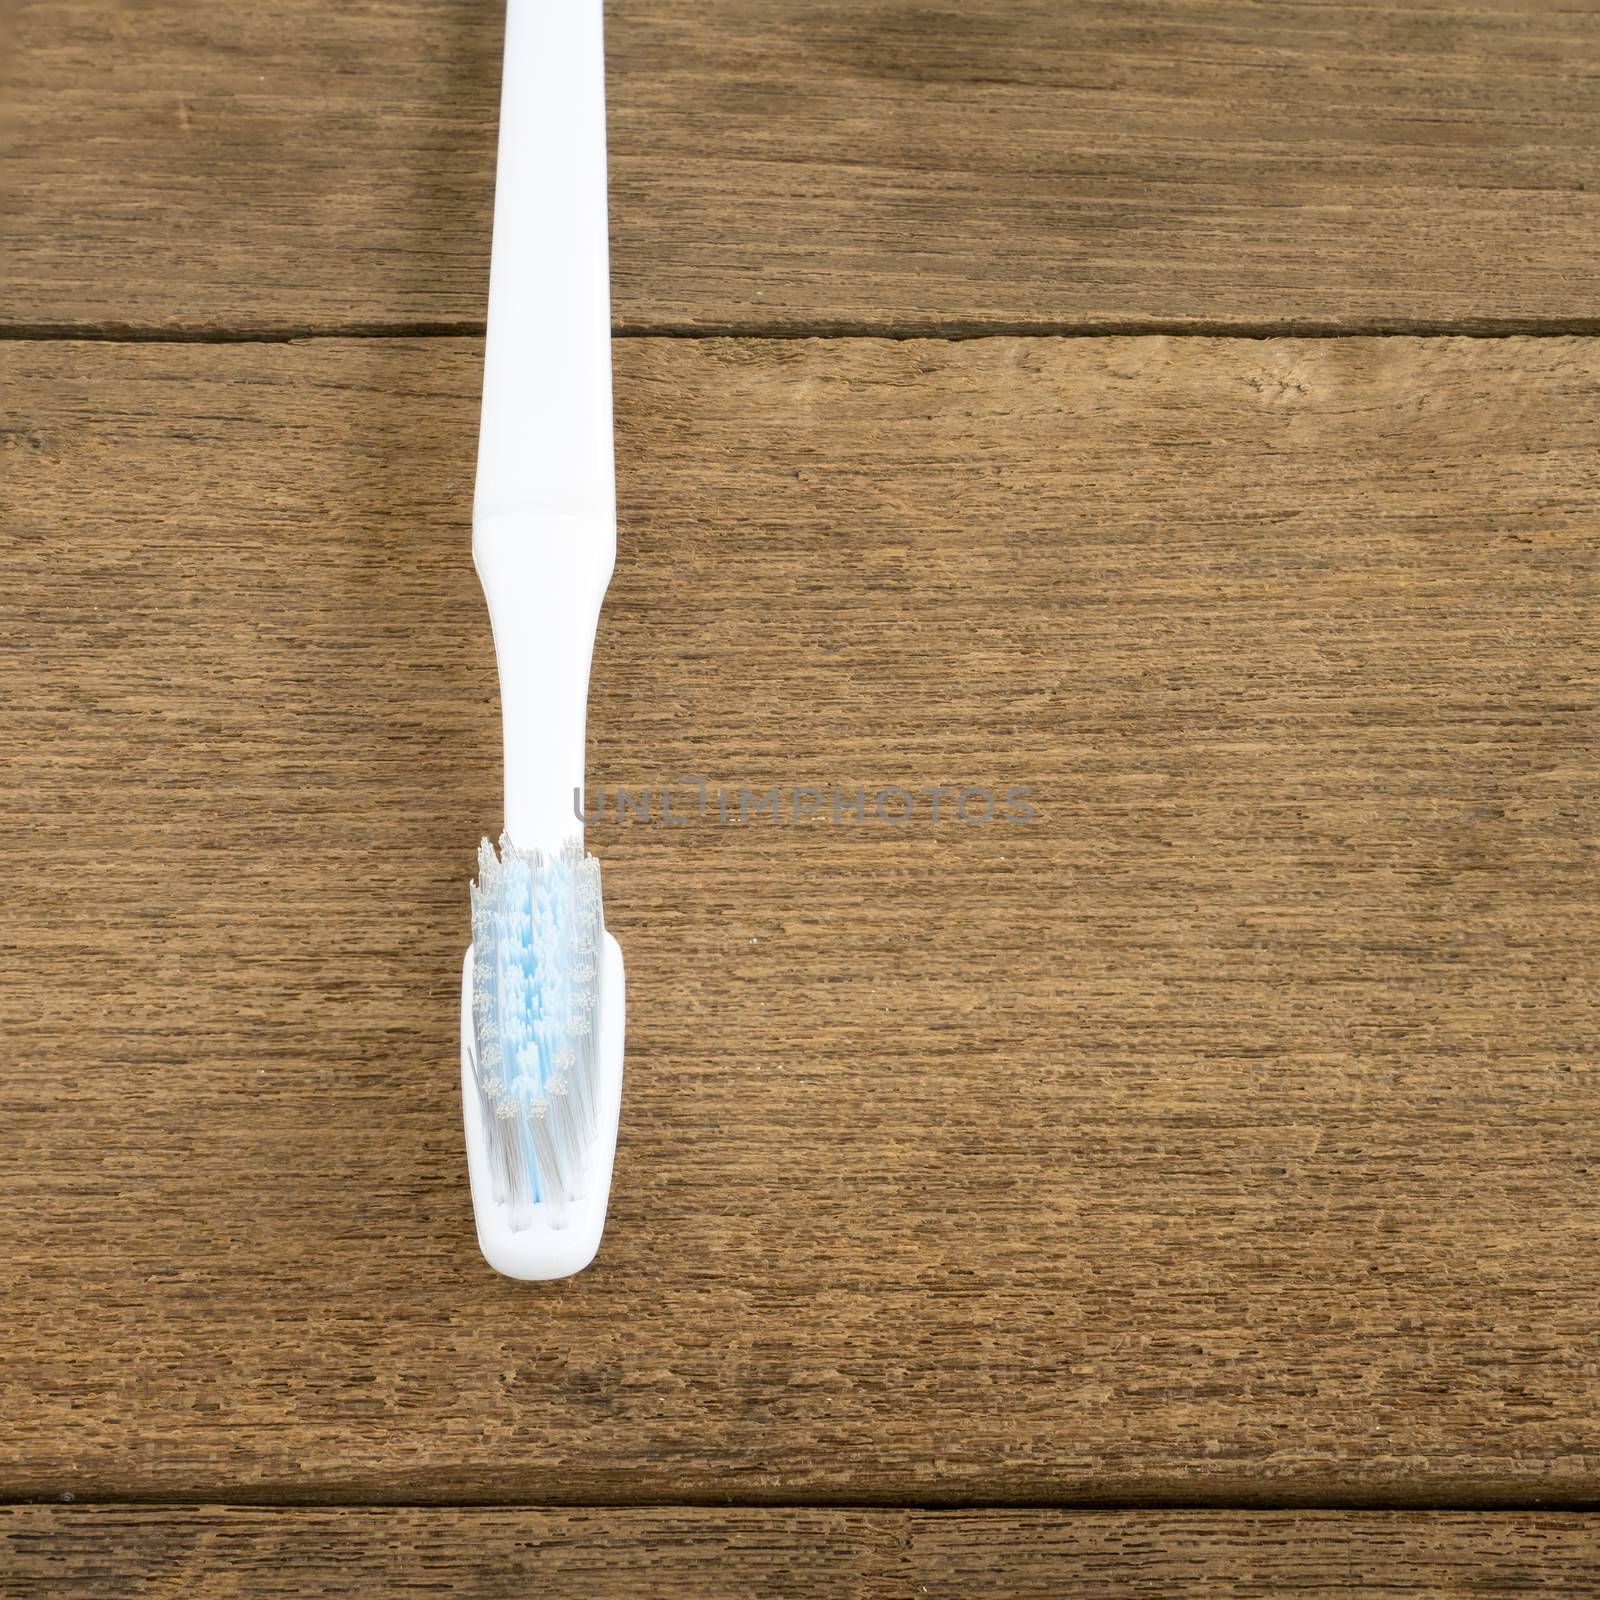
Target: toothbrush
x=542 y=984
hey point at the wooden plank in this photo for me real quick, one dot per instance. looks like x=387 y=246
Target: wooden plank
x=915 y=164
x=1227 y=1132
x=790 y=1554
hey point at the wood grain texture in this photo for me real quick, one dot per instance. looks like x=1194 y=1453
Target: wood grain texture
x=1228 y=1132
x=918 y=164
x=787 y=1554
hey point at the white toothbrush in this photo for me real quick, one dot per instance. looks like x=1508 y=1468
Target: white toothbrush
x=542 y=986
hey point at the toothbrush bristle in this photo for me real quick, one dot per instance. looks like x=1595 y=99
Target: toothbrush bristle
x=535 y=937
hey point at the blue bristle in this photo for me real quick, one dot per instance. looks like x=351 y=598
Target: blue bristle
x=535 y=934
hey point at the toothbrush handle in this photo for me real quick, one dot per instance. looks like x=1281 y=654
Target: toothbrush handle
x=544 y=510
x=545 y=442
x=544 y=582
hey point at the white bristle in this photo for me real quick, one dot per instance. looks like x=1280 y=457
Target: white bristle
x=535 y=930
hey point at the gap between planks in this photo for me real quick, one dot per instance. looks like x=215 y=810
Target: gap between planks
x=1135 y=328
x=335 y=1497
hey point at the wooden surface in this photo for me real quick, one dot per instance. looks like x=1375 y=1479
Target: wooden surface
x=1224 y=1140
x=1228 y=1133
x=789 y=1554
x=915 y=164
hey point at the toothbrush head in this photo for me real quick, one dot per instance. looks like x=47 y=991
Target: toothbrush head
x=541 y=1059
